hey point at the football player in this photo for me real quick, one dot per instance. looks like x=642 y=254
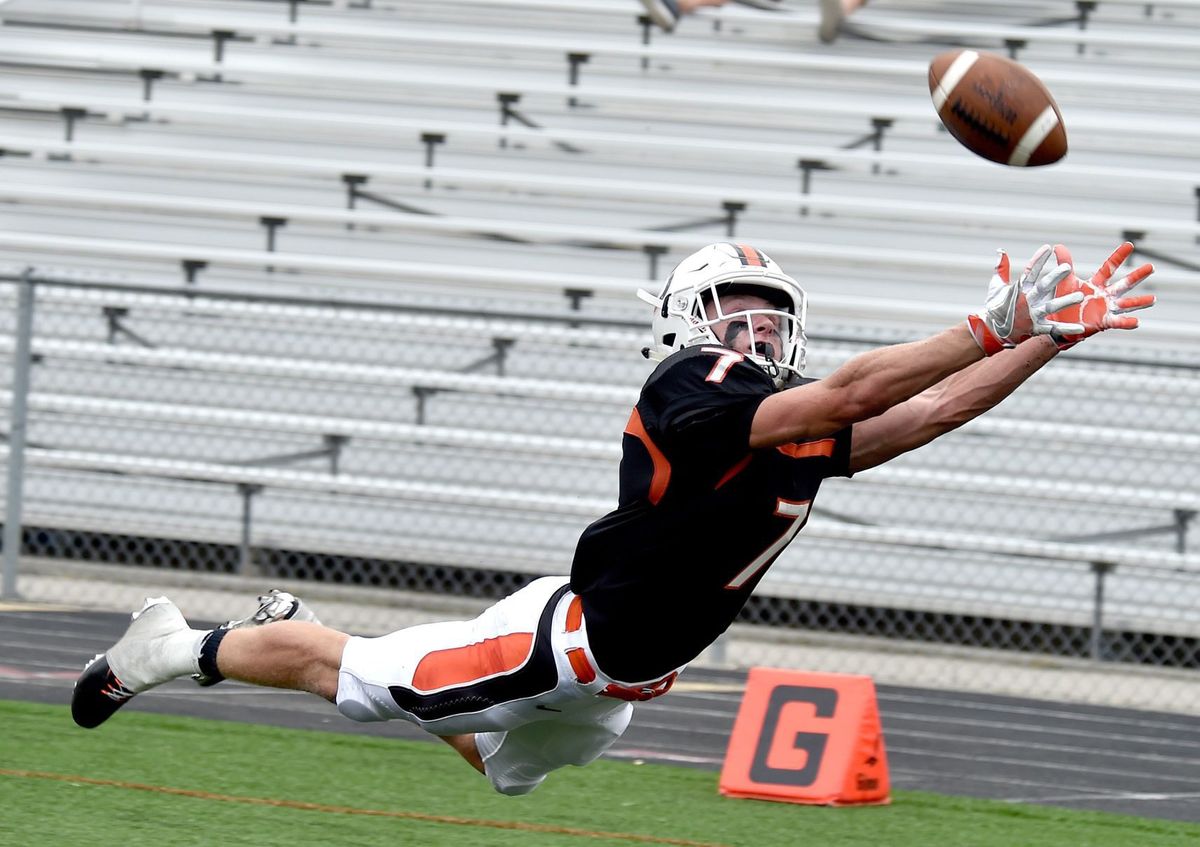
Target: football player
x=724 y=453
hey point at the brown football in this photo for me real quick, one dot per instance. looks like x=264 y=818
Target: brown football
x=997 y=108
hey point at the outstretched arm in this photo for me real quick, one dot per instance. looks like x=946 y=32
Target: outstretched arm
x=862 y=388
x=946 y=406
x=870 y=384
x=1102 y=305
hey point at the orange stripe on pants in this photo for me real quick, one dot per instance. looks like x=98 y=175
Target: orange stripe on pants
x=460 y=665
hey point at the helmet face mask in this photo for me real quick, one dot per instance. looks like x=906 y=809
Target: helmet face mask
x=732 y=325
x=689 y=307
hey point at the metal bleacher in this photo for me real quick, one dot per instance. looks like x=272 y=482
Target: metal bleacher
x=364 y=272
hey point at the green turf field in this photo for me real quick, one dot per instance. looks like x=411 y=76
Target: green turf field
x=151 y=780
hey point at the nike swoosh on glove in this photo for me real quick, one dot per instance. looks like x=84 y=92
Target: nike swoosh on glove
x=1017 y=311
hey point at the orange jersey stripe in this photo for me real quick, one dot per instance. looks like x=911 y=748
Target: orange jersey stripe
x=662 y=467
x=734 y=471
x=805 y=449
x=474 y=662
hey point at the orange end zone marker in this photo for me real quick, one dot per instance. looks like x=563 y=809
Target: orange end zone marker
x=807 y=738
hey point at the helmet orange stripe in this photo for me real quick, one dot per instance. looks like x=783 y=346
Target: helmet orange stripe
x=751 y=256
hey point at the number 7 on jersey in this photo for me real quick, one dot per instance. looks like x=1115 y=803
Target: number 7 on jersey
x=798 y=512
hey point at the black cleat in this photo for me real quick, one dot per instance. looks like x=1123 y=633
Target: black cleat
x=98 y=693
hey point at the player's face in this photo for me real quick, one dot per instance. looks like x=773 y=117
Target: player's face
x=761 y=334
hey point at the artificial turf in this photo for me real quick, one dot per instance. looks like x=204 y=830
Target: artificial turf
x=151 y=780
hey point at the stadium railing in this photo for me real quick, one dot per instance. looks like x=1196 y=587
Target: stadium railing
x=393 y=272
x=592 y=332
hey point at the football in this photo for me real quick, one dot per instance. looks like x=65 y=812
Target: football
x=997 y=108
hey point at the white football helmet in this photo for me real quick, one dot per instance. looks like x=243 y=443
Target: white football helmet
x=689 y=305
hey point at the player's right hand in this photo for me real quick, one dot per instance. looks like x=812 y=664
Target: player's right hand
x=1104 y=304
x=1017 y=311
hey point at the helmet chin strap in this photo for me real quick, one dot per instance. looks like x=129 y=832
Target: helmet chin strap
x=772 y=367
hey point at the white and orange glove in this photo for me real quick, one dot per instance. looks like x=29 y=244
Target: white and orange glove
x=1104 y=304
x=1016 y=311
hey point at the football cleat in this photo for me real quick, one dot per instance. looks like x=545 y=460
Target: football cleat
x=274 y=606
x=139 y=661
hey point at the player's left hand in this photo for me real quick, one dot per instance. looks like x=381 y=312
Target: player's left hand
x=1017 y=311
x=1104 y=304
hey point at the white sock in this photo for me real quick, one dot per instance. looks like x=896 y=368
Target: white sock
x=158 y=646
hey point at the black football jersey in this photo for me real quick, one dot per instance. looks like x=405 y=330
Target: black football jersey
x=701 y=516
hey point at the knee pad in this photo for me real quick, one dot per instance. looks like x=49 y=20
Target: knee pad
x=354 y=701
x=509 y=765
